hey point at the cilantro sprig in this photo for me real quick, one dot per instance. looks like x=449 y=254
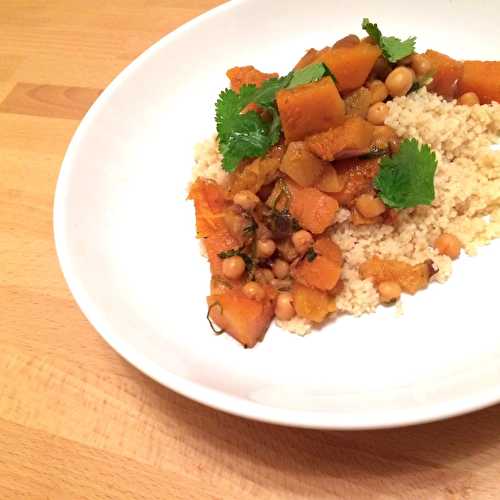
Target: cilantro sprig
x=249 y=135
x=393 y=48
x=407 y=178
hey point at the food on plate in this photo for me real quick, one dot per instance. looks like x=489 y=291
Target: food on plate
x=356 y=178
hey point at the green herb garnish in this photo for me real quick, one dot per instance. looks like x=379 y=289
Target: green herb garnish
x=407 y=178
x=249 y=135
x=309 y=74
x=215 y=304
x=311 y=254
x=393 y=48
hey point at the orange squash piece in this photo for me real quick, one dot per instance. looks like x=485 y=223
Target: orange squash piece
x=247 y=75
x=350 y=65
x=301 y=165
x=209 y=205
x=208 y=198
x=330 y=181
x=309 y=109
x=321 y=273
x=327 y=248
x=447 y=73
x=314 y=210
x=483 y=78
x=354 y=136
x=311 y=304
x=310 y=57
x=253 y=176
x=356 y=176
x=410 y=278
x=244 y=319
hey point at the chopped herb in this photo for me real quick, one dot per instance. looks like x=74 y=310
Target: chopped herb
x=407 y=178
x=421 y=82
x=283 y=192
x=251 y=229
x=249 y=135
x=311 y=254
x=393 y=48
x=215 y=304
x=375 y=152
x=229 y=253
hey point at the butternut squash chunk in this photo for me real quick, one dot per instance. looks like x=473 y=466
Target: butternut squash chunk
x=324 y=271
x=244 y=319
x=310 y=57
x=311 y=304
x=355 y=135
x=247 y=75
x=321 y=273
x=356 y=176
x=301 y=165
x=483 y=78
x=209 y=203
x=309 y=109
x=350 y=65
x=410 y=278
x=447 y=74
x=314 y=210
x=327 y=248
x=330 y=181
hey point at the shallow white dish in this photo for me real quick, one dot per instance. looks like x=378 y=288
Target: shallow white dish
x=125 y=236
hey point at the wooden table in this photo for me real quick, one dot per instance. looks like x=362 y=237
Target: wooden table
x=77 y=421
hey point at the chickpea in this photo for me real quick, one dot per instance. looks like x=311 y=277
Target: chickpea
x=377 y=113
x=235 y=223
x=420 y=64
x=302 y=241
x=284 y=306
x=287 y=250
x=282 y=285
x=382 y=135
x=468 y=99
x=246 y=200
x=378 y=91
x=370 y=206
x=264 y=276
x=280 y=269
x=233 y=267
x=399 y=81
x=254 y=291
x=263 y=232
x=448 y=244
x=265 y=248
x=389 y=291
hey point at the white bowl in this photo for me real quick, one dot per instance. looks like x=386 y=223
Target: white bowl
x=125 y=236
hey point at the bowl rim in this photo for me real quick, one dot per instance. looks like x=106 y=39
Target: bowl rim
x=213 y=398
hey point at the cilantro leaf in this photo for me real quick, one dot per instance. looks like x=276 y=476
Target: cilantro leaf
x=242 y=135
x=372 y=30
x=309 y=74
x=407 y=179
x=393 y=48
x=248 y=135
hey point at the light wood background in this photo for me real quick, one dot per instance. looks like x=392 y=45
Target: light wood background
x=76 y=421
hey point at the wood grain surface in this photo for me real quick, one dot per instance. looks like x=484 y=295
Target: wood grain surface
x=77 y=421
